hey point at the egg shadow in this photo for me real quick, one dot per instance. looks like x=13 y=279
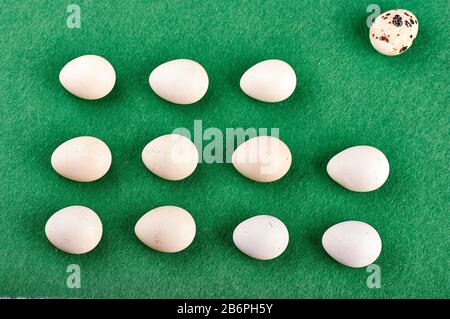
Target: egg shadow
x=127 y=222
x=313 y=239
x=34 y=232
x=357 y=32
x=320 y=162
x=140 y=74
x=222 y=233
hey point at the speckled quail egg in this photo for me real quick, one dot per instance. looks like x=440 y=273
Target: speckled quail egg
x=394 y=31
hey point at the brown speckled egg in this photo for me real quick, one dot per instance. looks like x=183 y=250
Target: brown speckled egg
x=394 y=31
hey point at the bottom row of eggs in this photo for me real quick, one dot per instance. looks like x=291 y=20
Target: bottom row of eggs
x=170 y=229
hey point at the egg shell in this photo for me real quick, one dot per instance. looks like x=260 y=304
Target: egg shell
x=167 y=229
x=82 y=159
x=359 y=168
x=172 y=157
x=261 y=237
x=74 y=229
x=393 y=32
x=89 y=77
x=179 y=81
x=352 y=243
x=262 y=159
x=269 y=81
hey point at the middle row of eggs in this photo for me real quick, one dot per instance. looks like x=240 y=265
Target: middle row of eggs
x=262 y=158
x=180 y=81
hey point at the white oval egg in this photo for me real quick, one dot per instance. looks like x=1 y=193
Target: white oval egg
x=167 y=229
x=393 y=31
x=82 y=159
x=89 y=77
x=269 y=81
x=261 y=237
x=74 y=229
x=352 y=243
x=359 y=168
x=262 y=159
x=172 y=157
x=179 y=81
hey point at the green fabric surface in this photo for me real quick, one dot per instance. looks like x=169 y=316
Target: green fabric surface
x=347 y=94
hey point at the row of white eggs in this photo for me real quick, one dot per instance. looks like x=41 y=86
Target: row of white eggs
x=262 y=159
x=180 y=81
x=185 y=81
x=170 y=229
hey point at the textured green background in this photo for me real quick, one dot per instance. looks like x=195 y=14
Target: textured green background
x=347 y=95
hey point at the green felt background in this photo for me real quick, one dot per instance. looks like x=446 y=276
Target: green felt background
x=347 y=95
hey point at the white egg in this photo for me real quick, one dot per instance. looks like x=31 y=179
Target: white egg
x=359 y=168
x=262 y=237
x=74 y=229
x=393 y=32
x=179 y=81
x=269 y=81
x=168 y=229
x=352 y=243
x=82 y=159
x=262 y=159
x=89 y=77
x=172 y=157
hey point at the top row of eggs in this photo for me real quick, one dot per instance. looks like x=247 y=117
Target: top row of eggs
x=185 y=81
x=180 y=81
